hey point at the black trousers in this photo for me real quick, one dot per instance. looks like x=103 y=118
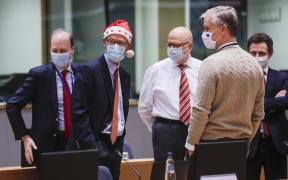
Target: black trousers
x=169 y=136
x=274 y=163
x=61 y=142
x=113 y=160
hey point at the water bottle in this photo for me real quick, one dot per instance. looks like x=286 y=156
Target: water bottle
x=170 y=173
x=125 y=156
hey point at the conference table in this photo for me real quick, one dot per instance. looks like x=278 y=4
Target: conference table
x=144 y=166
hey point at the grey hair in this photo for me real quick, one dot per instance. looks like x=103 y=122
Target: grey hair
x=224 y=15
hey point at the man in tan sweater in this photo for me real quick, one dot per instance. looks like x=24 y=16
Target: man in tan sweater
x=229 y=100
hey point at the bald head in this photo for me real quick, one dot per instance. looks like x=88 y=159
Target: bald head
x=182 y=34
x=179 y=37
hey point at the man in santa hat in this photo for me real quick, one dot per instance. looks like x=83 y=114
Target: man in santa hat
x=100 y=101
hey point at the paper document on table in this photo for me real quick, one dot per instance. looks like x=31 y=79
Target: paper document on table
x=219 y=177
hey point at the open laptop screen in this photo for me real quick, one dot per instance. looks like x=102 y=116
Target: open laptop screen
x=219 y=158
x=70 y=165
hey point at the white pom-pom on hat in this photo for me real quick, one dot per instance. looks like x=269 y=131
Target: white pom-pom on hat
x=130 y=53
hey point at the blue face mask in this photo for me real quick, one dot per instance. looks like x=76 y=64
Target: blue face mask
x=115 y=52
x=60 y=60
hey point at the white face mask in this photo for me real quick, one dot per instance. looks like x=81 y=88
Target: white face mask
x=115 y=52
x=263 y=61
x=176 y=54
x=61 y=60
x=207 y=39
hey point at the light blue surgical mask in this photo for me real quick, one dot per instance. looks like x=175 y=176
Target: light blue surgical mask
x=115 y=52
x=176 y=54
x=60 y=60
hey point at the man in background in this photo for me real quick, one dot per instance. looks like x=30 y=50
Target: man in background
x=48 y=88
x=269 y=147
x=167 y=95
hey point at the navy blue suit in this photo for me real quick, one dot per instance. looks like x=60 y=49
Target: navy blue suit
x=40 y=89
x=92 y=109
x=270 y=151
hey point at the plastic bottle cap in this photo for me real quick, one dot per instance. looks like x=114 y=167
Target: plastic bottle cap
x=125 y=155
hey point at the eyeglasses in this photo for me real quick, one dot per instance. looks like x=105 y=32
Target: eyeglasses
x=113 y=42
x=175 y=45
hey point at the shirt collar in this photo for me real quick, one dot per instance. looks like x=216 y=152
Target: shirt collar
x=265 y=70
x=112 y=67
x=188 y=63
x=226 y=44
x=69 y=69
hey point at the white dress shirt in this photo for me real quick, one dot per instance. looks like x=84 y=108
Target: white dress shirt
x=159 y=95
x=59 y=84
x=121 y=120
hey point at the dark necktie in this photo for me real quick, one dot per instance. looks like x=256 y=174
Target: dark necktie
x=114 y=131
x=184 y=97
x=265 y=126
x=66 y=106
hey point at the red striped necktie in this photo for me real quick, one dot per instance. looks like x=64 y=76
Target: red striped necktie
x=184 y=97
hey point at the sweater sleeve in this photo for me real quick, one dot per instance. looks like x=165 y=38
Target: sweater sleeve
x=258 y=111
x=205 y=93
x=145 y=105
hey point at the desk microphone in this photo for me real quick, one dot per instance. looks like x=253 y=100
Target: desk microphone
x=129 y=164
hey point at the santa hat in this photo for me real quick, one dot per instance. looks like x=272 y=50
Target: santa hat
x=120 y=27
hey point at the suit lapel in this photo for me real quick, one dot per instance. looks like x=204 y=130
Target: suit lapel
x=269 y=83
x=107 y=80
x=125 y=90
x=52 y=86
x=75 y=68
x=124 y=84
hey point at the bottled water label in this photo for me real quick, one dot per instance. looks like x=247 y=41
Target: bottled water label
x=171 y=168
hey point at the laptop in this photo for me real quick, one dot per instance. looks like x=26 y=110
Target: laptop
x=219 y=159
x=72 y=165
x=158 y=170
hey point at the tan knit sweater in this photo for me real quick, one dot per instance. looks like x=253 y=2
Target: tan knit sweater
x=229 y=100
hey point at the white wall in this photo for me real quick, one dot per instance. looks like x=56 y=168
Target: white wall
x=271 y=17
x=147 y=47
x=20 y=35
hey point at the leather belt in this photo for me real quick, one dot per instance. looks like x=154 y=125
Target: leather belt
x=169 y=121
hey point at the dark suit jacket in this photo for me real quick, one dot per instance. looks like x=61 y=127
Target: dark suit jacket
x=274 y=112
x=92 y=103
x=40 y=89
